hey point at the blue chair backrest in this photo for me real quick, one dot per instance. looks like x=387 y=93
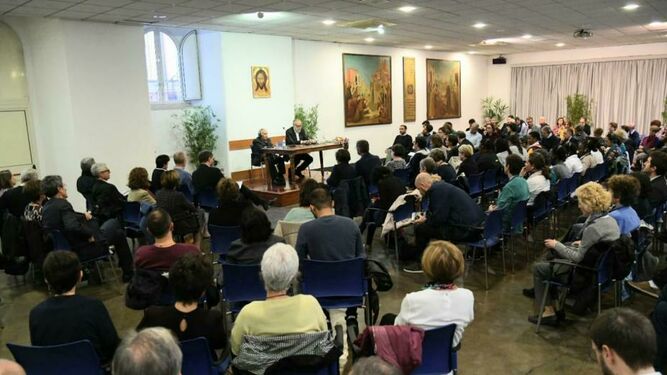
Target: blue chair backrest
x=207 y=199
x=541 y=205
x=343 y=278
x=222 y=238
x=490 y=179
x=437 y=354
x=197 y=357
x=78 y=357
x=475 y=184
x=59 y=240
x=562 y=189
x=573 y=182
x=493 y=225
x=519 y=216
x=132 y=213
x=242 y=283
x=404 y=211
x=403 y=175
x=603 y=268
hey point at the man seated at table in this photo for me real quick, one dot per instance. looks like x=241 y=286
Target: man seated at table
x=276 y=162
x=296 y=135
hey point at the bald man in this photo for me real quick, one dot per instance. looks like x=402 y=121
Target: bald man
x=277 y=162
x=10 y=368
x=451 y=211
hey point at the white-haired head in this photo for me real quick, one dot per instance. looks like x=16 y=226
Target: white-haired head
x=280 y=265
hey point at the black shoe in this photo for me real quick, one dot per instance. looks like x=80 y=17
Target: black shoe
x=299 y=175
x=546 y=321
x=351 y=321
x=530 y=293
x=279 y=182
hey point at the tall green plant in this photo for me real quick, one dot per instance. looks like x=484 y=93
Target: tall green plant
x=197 y=125
x=578 y=106
x=664 y=114
x=496 y=109
x=308 y=117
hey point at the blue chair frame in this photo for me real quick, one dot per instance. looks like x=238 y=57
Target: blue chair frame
x=490 y=181
x=438 y=354
x=77 y=357
x=517 y=226
x=401 y=213
x=475 y=187
x=241 y=283
x=197 y=358
x=222 y=238
x=492 y=235
x=207 y=199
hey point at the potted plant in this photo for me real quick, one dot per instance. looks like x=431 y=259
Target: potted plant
x=496 y=109
x=578 y=106
x=197 y=126
x=308 y=117
x=664 y=114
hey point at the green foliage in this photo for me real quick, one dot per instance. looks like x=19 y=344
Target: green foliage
x=308 y=117
x=494 y=108
x=664 y=114
x=578 y=106
x=197 y=126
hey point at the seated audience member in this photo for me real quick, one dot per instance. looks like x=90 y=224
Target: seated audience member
x=189 y=277
x=597 y=134
x=276 y=162
x=474 y=136
x=303 y=212
x=438 y=144
x=15 y=200
x=451 y=144
x=442 y=133
x=572 y=162
x=398 y=156
x=516 y=148
x=81 y=229
x=560 y=126
x=655 y=167
x=633 y=135
x=592 y=155
x=450 y=215
x=296 y=135
x=152 y=351
x=161 y=166
x=543 y=122
x=256 y=237
x=559 y=171
x=420 y=153
x=66 y=317
x=515 y=190
x=165 y=251
x=651 y=141
x=583 y=122
x=462 y=140
x=568 y=138
x=594 y=201
x=642 y=206
x=533 y=142
x=390 y=188
x=373 y=366
x=549 y=140
x=186 y=177
x=487 y=158
x=7 y=181
x=183 y=213
x=442 y=302
x=280 y=314
x=85 y=182
x=467 y=166
x=502 y=149
x=367 y=162
x=8 y=367
x=446 y=172
x=403 y=138
x=328 y=237
x=427 y=133
x=659 y=320
x=33 y=211
x=140 y=187
x=342 y=170
x=537 y=175
x=491 y=133
x=624 y=190
x=428 y=165
x=107 y=201
x=624 y=342
x=230 y=206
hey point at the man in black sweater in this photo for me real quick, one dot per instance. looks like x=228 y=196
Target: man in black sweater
x=161 y=165
x=656 y=167
x=403 y=138
x=66 y=317
x=367 y=162
x=296 y=135
x=85 y=182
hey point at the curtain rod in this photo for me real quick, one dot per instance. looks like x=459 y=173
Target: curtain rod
x=609 y=59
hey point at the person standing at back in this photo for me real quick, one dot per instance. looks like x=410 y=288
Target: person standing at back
x=186 y=177
x=161 y=166
x=403 y=138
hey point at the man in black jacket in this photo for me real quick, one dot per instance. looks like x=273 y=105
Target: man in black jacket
x=549 y=140
x=277 y=162
x=584 y=124
x=367 y=162
x=403 y=138
x=656 y=167
x=161 y=165
x=107 y=201
x=82 y=230
x=296 y=135
x=85 y=182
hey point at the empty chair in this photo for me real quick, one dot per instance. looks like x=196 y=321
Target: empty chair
x=222 y=238
x=475 y=185
x=197 y=358
x=490 y=180
x=517 y=226
x=78 y=357
x=492 y=236
x=241 y=283
x=438 y=355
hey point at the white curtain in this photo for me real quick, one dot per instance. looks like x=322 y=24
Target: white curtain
x=629 y=91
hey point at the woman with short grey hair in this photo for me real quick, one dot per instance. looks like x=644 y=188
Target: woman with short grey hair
x=280 y=314
x=150 y=351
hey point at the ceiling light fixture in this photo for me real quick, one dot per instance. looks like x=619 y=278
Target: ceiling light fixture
x=560 y=44
x=479 y=25
x=428 y=46
x=380 y=29
x=159 y=17
x=526 y=36
x=472 y=52
x=657 y=24
x=407 y=8
x=630 y=6
x=328 y=22
x=369 y=39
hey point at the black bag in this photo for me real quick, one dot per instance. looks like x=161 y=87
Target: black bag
x=379 y=274
x=144 y=289
x=622 y=257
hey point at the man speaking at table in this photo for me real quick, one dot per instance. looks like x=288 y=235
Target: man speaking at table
x=296 y=135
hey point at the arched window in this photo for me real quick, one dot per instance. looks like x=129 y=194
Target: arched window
x=163 y=69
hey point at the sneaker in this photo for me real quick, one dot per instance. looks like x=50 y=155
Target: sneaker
x=644 y=287
x=416 y=268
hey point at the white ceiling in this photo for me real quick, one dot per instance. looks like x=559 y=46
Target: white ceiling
x=444 y=24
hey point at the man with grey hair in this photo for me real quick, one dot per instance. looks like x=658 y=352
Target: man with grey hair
x=150 y=351
x=276 y=162
x=296 y=135
x=14 y=199
x=107 y=201
x=186 y=178
x=85 y=182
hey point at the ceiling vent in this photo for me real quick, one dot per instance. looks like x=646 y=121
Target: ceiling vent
x=582 y=34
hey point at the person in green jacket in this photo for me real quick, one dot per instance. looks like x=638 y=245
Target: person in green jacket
x=515 y=190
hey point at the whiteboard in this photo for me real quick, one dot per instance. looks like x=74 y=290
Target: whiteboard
x=14 y=140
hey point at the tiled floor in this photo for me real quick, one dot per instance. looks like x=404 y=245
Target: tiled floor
x=499 y=341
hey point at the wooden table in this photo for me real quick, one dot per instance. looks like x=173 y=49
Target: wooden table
x=294 y=150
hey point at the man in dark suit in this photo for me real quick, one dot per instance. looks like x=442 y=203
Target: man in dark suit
x=296 y=135
x=656 y=166
x=82 y=230
x=403 y=138
x=420 y=153
x=549 y=140
x=85 y=182
x=161 y=165
x=584 y=124
x=277 y=161
x=367 y=161
x=569 y=138
x=107 y=201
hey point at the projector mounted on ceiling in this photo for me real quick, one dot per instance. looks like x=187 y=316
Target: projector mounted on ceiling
x=582 y=34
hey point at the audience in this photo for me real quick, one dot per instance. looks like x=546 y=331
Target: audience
x=549 y=141
x=140 y=187
x=342 y=170
x=572 y=162
x=642 y=204
x=446 y=172
x=537 y=176
x=107 y=201
x=515 y=190
x=33 y=211
x=451 y=144
x=474 y=136
x=486 y=158
x=398 y=156
x=189 y=277
x=15 y=199
x=186 y=177
x=256 y=237
x=655 y=167
x=66 y=317
x=559 y=171
x=230 y=206
x=165 y=251
x=161 y=166
x=373 y=366
x=516 y=148
x=659 y=320
x=152 y=351
x=592 y=155
x=403 y=138
x=467 y=166
x=534 y=141
x=85 y=182
x=303 y=212
x=502 y=149
x=427 y=133
x=183 y=213
x=624 y=190
x=420 y=153
x=367 y=162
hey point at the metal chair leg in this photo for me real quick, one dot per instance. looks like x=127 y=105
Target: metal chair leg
x=502 y=254
x=542 y=306
x=599 y=298
x=486 y=268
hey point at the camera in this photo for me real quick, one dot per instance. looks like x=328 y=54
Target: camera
x=260 y=15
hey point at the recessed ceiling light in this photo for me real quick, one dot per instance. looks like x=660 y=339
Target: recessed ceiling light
x=526 y=36
x=472 y=45
x=479 y=25
x=472 y=52
x=407 y=8
x=560 y=44
x=328 y=22
x=159 y=17
x=658 y=24
x=369 y=39
x=428 y=46
x=630 y=6
x=380 y=29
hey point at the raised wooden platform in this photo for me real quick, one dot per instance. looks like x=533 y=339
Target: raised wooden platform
x=285 y=195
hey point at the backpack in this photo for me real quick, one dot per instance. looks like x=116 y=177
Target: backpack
x=144 y=289
x=622 y=257
x=378 y=275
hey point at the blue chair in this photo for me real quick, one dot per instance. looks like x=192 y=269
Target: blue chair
x=401 y=213
x=492 y=235
x=475 y=185
x=336 y=284
x=373 y=190
x=197 y=358
x=78 y=357
x=438 y=355
x=132 y=218
x=490 y=181
x=207 y=200
x=403 y=175
x=241 y=283
x=59 y=241
x=222 y=238
x=517 y=225
x=573 y=183
x=540 y=211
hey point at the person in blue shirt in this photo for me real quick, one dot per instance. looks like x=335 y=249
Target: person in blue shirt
x=624 y=190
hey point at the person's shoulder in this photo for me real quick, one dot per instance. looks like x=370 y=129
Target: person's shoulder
x=186 y=248
x=306 y=300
